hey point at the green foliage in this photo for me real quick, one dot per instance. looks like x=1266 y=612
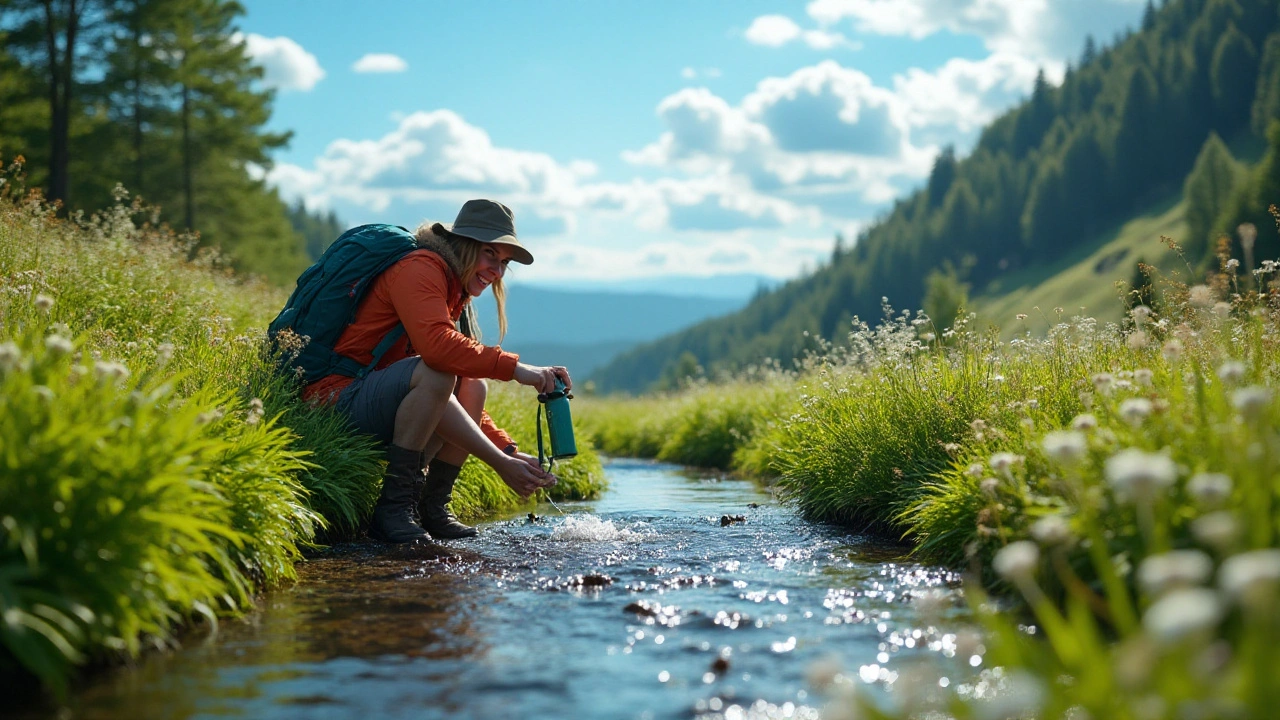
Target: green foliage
x=945 y=298
x=1266 y=103
x=1207 y=191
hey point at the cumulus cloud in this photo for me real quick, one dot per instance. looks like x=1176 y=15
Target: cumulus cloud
x=380 y=63
x=285 y=64
x=778 y=30
x=963 y=95
x=1045 y=31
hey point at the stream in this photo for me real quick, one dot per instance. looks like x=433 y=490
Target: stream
x=654 y=601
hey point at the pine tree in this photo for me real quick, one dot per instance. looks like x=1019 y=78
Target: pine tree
x=1234 y=75
x=1266 y=103
x=1207 y=191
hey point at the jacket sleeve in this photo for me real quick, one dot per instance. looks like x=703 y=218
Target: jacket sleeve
x=496 y=435
x=419 y=292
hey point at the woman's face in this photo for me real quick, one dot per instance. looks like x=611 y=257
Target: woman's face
x=490 y=266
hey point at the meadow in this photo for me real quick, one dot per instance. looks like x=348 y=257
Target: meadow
x=155 y=471
x=1118 y=479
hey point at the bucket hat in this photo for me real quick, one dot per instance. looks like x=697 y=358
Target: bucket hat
x=487 y=221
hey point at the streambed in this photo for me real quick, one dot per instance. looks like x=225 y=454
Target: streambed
x=655 y=601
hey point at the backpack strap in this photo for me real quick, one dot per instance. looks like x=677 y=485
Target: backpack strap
x=350 y=368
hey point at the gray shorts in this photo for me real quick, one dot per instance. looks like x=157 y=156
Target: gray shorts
x=371 y=402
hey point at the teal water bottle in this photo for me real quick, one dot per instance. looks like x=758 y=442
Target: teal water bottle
x=559 y=423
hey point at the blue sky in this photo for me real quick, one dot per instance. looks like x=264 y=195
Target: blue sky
x=647 y=139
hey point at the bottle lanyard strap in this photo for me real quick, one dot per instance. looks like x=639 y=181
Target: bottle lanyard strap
x=543 y=462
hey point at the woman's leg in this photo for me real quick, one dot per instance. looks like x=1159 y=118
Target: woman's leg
x=433 y=509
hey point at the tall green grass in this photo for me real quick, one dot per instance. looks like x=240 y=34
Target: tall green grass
x=153 y=467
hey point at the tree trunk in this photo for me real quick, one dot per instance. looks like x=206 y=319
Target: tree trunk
x=137 y=101
x=186 y=157
x=60 y=72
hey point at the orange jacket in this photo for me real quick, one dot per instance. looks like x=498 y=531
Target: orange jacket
x=423 y=293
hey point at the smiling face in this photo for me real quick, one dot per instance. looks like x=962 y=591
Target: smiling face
x=491 y=265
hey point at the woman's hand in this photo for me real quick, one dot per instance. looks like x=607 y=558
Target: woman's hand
x=523 y=476
x=542 y=379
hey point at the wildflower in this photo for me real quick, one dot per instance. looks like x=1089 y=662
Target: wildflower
x=1172 y=350
x=1251 y=401
x=1218 y=530
x=1051 y=530
x=974 y=470
x=1084 y=421
x=1136 y=340
x=1143 y=376
x=1138 y=475
x=1175 y=569
x=256 y=404
x=1182 y=614
x=164 y=352
x=1086 y=400
x=1022 y=316
x=1102 y=382
x=1065 y=446
x=1017 y=561
x=928 y=337
x=10 y=356
x=110 y=371
x=1003 y=462
x=978 y=425
x=1232 y=371
x=951 y=448
x=58 y=345
x=1135 y=410
x=1140 y=314
x=1249 y=576
x=44 y=392
x=44 y=303
x=1233 y=264
x=989 y=486
x=1222 y=309
x=1200 y=296
x=1209 y=488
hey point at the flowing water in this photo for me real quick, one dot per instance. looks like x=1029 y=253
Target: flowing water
x=655 y=601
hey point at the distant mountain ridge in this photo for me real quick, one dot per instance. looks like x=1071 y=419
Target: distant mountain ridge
x=1122 y=130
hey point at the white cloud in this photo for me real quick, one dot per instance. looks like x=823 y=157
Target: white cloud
x=286 y=65
x=772 y=30
x=380 y=63
x=778 y=30
x=690 y=73
x=963 y=94
x=1045 y=31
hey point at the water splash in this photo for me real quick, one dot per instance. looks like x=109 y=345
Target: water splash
x=590 y=528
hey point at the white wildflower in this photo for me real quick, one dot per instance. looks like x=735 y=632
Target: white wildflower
x=1222 y=309
x=1085 y=421
x=1017 y=561
x=1138 y=475
x=989 y=486
x=256 y=404
x=1003 y=462
x=1175 y=569
x=1135 y=410
x=1209 y=488
x=1251 y=401
x=1233 y=264
x=1102 y=382
x=1021 y=316
x=1051 y=530
x=928 y=337
x=1172 y=350
x=1182 y=614
x=110 y=371
x=1143 y=376
x=58 y=345
x=44 y=303
x=1136 y=340
x=974 y=470
x=1065 y=446
x=1218 y=530
x=1251 y=577
x=164 y=352
x=10 y=356
x=1140 y=314
x=1232 y=371
x=1200 y=296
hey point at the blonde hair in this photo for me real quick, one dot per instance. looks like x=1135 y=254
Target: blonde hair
x=467 y=253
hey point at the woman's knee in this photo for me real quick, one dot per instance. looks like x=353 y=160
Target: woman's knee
x=433 y=381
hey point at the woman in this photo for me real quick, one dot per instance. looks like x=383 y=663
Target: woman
x=426 y=397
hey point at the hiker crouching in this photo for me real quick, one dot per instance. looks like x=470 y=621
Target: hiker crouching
x=408 y=369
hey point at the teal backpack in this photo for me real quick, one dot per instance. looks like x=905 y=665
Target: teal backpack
x=328 y=293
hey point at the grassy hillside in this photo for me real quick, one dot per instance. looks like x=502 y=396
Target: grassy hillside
x=1084 y=282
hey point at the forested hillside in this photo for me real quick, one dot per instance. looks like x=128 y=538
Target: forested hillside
x=1129 y=124
x=161 y=97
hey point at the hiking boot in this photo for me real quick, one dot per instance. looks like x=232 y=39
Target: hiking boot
x=433 y=508
x=393 y=519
